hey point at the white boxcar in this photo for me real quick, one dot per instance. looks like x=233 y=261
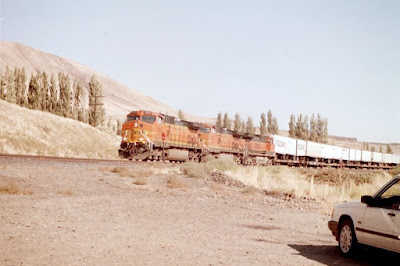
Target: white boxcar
x=301 y=147
x=284 y=145
x=358 y=155
x=313 y=149
x=337 y=153
x=327 y=151
x=345 y=154
x=396 y=158
x=387 y=158
x=377 y=157
x=352 y=155
x=366 y=156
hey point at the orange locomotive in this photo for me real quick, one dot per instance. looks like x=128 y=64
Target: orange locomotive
x=154 y=136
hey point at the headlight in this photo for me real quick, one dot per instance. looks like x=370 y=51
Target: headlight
x=135 y=124
x=125 y=138
x=141 y=139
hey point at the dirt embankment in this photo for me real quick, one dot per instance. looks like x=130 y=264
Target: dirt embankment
x=100 y=213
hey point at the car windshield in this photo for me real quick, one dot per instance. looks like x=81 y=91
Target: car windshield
x=394 y=190
x=133 y=117
x=148 y=119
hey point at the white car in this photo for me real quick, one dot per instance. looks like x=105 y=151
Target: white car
x=375 y=221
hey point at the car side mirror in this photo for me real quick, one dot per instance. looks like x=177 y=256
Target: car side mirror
x=367 y=200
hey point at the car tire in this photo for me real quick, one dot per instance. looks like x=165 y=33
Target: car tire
x=347 y=238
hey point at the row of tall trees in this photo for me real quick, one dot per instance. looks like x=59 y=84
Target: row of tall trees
x=314 y=130
x=367 y=147
x=59 y=94
x=268 y=124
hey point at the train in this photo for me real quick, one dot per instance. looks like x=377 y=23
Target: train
x=152 y=136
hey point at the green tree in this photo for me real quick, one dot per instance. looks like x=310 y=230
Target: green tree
x=249 y=126
x=389 y=149
x=243 y=128
x=2 y=86
x=238 y=123
x=20 y=86
x=181 y=115
x=119 y=128
x=64 y=84
x=292 y=126
x=78 y=104
x=10 y=86
x=54 y=97
x=313 y=129
x=219 y=124
x=96 y=109
x=33 y=93
x=263 y=125
x=272 y=126
x=227 y=121
x=46 y=102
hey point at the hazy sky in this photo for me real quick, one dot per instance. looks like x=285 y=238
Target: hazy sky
x=337 y=58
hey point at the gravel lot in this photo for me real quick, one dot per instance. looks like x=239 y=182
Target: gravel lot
x=74 y=213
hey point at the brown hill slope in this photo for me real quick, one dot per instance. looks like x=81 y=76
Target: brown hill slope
x=119 y=99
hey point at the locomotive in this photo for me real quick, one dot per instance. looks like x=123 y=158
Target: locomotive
x=149 y=135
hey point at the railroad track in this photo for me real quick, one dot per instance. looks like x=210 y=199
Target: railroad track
x=64 y=159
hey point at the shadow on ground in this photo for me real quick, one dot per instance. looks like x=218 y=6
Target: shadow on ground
x=330 y=255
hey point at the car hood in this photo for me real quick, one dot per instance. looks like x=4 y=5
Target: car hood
x=351 y=204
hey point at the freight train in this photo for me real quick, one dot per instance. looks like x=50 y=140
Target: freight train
x=154 y=136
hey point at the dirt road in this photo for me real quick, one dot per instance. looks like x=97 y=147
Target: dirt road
x=65 y=213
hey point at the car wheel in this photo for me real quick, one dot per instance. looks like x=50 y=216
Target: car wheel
x=347 y=238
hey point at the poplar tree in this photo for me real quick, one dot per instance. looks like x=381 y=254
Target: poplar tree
x=380 y=149
x=119 y=127
x=272 y=127
x=46 y=104
x=313 y=129
x=64 y=85
x=78 y=105
x=227 y=121
x=249 y=126
x=181 y=115
x=53 y=93
x=292 y=126
x=33 y=93
x=238 y=123
x=96 y=109
x=20 y=84
x=10 y=86
x=243 y=128
x=219 y=124
x=2 y=86
x=389 y=149
x=263 y=125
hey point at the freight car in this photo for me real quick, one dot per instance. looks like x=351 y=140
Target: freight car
x=154 y=136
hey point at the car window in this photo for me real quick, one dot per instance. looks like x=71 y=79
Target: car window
x=394 y=190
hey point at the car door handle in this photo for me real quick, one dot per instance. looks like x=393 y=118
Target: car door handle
x=391 y=214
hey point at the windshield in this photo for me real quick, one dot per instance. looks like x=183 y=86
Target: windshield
x=148 y=119
x=205 y=130
x=132 y=117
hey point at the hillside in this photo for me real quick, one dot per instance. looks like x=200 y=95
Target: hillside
x=119 y=99
x=25 y=131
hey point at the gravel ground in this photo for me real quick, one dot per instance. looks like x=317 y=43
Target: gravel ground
x=74 y=213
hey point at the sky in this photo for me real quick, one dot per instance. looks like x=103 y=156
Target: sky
x=337 y=58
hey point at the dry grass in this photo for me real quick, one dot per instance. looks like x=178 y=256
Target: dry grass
x=203 y=170
x=65 y=192
x=140 y=182
x=250 y=190
x=175 y=183
x=133 y=173
x=327 y=185
x=42 y=135
x=12 y=189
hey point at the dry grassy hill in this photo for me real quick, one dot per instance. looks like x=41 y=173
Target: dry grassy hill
x=33 y=132
x=119 y=99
